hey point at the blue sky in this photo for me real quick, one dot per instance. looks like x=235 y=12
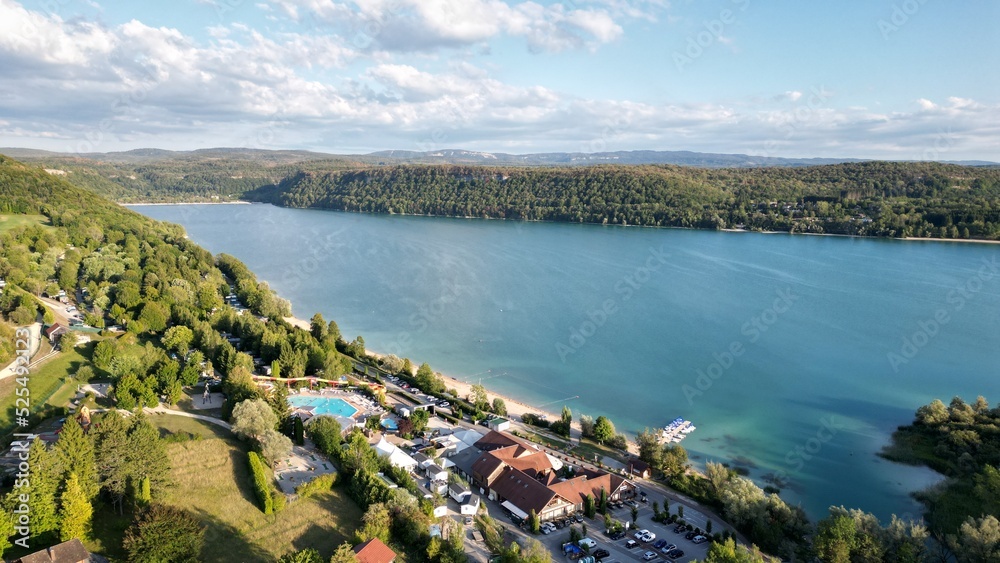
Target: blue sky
x=913 y=79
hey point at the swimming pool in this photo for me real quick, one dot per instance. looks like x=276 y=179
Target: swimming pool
x=389 y=424
x=323 y=405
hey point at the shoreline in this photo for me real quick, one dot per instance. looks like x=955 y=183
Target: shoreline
x=236 y=202
x=515 y=408
x=627 y=226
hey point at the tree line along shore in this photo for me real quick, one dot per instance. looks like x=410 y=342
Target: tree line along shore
x=925 y=200
x=166 y=293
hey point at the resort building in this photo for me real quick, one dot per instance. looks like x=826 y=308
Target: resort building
x=522 y=478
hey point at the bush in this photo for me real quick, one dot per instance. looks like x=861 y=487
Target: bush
x=261 y=483
x=278 y=500
x=320 y=484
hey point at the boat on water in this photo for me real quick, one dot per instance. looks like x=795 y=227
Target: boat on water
x=677 y=430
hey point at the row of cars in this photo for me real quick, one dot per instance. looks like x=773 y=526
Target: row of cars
x=411 y=389
x=553 y=525
x=668 y=549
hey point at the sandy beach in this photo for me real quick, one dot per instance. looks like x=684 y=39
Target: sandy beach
x=515 y=408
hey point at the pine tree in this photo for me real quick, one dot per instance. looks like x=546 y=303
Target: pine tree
x=76 y=454
x=45 y=476
x=76 y=512
x=111 y=442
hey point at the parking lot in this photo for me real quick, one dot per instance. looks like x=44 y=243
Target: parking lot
x=618 y=552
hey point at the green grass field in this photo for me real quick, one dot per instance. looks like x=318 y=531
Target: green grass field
x=8 y=222
x=50 y=384
x=212 y=481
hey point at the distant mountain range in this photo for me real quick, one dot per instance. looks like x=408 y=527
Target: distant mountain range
x=456 y=156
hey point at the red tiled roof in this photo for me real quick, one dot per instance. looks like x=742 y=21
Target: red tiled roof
x=52 y=329
x=522 y=491
x=495 y=440
x=575 y=489
x=532 y=462
x=374 y=551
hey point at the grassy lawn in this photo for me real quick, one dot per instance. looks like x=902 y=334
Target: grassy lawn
x=172 y=424
x=50 y=384
x=8 y=222
x=211 y=480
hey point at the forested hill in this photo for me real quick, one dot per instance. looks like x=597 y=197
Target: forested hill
x=869 y=199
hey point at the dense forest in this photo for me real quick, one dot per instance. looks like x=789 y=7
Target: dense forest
x=881 y=199
x=867 y=199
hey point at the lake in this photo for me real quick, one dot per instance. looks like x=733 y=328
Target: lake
x=793 y=355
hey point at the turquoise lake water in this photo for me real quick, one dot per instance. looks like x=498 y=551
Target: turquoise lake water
x=324 y=405
x=796 y=355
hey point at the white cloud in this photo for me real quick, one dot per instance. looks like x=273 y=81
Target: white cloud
x=88 y=87
x=406 y=25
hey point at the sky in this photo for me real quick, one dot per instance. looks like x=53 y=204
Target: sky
x=887 y=79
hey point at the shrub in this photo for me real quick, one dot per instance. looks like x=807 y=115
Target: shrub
x=278 y=500
x=318 y=485
x=261 y=483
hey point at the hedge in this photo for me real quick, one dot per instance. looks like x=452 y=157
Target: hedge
x=261 y=483
x=320 y=484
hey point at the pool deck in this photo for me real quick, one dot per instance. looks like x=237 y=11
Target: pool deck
x=364 y=407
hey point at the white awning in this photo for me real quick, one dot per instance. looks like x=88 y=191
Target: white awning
x=517 y=511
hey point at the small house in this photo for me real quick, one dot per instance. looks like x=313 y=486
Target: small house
x=436 y=473
x=459 y=492
x=470 y=506
x=55 y=332
x=71 y=551
x=639 y=468
x=374 y=551
x=422 y=460
x=499 y=424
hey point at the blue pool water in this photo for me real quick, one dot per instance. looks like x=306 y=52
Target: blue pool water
x=389 y=424
x=324 y=405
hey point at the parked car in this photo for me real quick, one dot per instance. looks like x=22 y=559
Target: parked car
x=559 y=524
x=444 y=404
x=647 y=536
x=639 y=533
x=649 y=556
x=689 y=536
x=578 y=517
x=659 y=544
x=699 y=539
x=631 y=502
x=679 y=528
x=617 y=535
x=668 y=548
x=600 y=554
x=631 y=544
x=675 y=554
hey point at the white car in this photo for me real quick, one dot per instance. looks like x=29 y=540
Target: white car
x=640 y=533
x=647 y=536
